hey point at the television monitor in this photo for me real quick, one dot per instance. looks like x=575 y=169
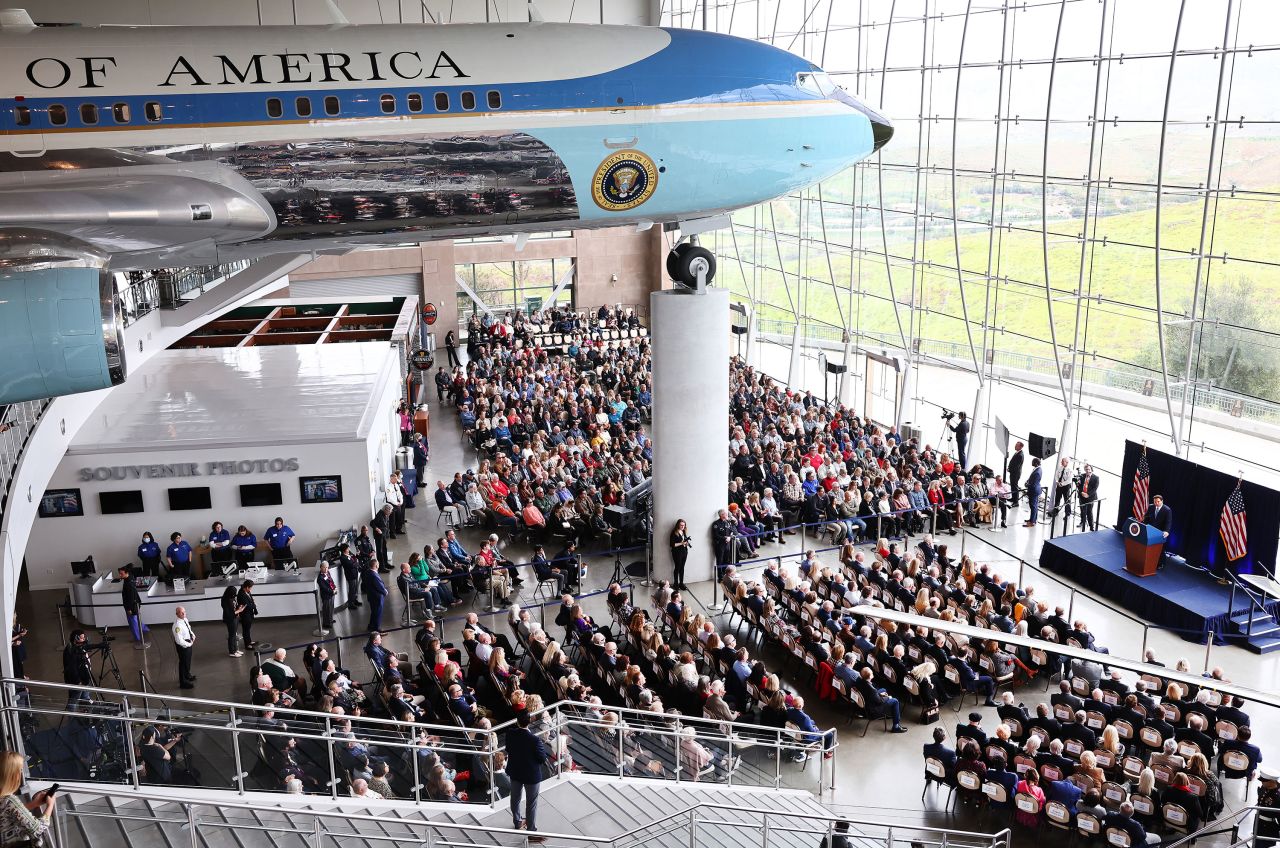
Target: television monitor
x=61 y=503
x=84 y=568
x=325 y=489
x=260 y=494
x=118 y=503
x=189 y=497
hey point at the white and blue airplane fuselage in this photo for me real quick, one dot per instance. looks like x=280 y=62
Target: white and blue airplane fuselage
x=144 y=147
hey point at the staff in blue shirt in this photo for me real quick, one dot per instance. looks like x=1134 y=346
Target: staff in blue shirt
x=278 y=537
x=178 y=555
x=219 y=544
x=243 y=545
x=149 y=555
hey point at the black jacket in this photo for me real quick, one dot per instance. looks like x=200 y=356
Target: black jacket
x=526 y=756
x=129 y=597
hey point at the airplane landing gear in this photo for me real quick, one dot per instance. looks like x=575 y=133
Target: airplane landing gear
x=687 y=261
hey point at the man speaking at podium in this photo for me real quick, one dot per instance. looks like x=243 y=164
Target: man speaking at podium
x=1160 y=517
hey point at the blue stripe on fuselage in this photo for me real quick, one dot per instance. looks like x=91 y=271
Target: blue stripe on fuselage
x=694 y=68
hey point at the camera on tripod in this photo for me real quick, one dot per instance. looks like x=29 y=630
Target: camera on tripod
x=947 y=414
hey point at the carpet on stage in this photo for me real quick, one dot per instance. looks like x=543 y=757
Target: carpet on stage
x=1176 y=597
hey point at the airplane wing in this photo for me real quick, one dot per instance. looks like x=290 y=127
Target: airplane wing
x=64 y=227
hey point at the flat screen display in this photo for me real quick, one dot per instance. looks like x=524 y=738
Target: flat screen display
x=189 y=497
x=260 y=494
x=61 y=503
x=118 y=503
x=327 y=489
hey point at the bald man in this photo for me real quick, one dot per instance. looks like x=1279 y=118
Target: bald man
x=184 y=638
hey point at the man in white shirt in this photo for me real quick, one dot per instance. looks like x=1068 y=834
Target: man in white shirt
x=395 y=497
x=183 y=640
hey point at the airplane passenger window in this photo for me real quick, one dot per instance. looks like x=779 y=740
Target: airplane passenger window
x=468 y=99
x=442 y=101
x=22 y=114
x=331 y=105
x=495 y=100
x=57 y=114
x=154 y=111
x=120 y=112
x=88 y=113
x=388 y=102
x=274 y=107
x=415 y=102
x=302 y=106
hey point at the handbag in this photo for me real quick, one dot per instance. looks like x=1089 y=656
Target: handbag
x=929 y=713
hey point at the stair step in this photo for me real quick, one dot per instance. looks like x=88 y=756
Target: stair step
x=1263 y=644
x=1241 y=619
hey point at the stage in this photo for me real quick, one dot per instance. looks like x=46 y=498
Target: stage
x=1176 y=597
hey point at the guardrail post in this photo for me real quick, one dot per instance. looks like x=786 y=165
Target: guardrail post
x=235 y=750
x=191 y=826
x=333 y=768
x=417 y=777
x=777 y=763
x=317 y=833
x=729 y=778
x=693 y=828
x=1208 y=647
x=764 y=832
x=128 y=740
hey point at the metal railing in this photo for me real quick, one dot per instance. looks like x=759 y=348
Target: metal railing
x=1118 y=377
x=143 y=292
x=749 y=826
x=90 y=734
x=17 y=422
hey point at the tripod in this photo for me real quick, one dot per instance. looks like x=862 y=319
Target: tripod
x=107 y=663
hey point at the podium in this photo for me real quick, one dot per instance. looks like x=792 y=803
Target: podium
x=1143 y=545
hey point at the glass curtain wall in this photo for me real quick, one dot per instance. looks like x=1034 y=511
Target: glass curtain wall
x=522 y=285
x=1079 y=201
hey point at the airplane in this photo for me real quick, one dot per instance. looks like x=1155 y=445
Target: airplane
x=145 y=147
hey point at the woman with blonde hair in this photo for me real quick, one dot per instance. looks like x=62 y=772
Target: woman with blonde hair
x=922 y=600
x=21 y=822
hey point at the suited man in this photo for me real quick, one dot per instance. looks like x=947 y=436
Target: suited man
x=973 y=730
x=939 y=751
x=375 y=591
x=1033 y=492
x=1066 y=698
x=381 y=525
x=526 y=762
x=1015 y=470
x=1123 y=819
x=328 y=589
x=1159 y=516
x=1088 y=498
x=961 y=429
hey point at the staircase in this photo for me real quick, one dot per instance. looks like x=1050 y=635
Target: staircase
x=577 y=811
x=1265 y=635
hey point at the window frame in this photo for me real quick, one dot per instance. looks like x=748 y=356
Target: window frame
x=60 y=110
x=298 y=103
x=465 y=95
x=442 y=97
x=493 y=98
x=332 y=105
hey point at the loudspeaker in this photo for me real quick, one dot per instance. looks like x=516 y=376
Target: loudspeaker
x=835 y=368
x=616 y=516
x=1042 y=446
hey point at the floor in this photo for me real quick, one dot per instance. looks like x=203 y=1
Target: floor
x=877 y=775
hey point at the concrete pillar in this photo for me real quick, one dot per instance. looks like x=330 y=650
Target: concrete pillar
x=795 y=372
x=1067 y=444
x=690 y=421
x=980 y=427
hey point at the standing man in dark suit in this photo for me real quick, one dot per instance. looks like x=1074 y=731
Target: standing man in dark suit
x=376 y=592
x=961 y=429
x=1033 y=492
x=1088 y=498
x=328 y=589
x=1160 y=517
x=381 y=525
x=526 y=759
x=1015 y=470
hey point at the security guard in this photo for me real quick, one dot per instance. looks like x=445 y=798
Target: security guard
x=278 y=537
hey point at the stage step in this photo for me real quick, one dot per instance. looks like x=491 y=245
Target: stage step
x=1263 y=644
x=1263 y=623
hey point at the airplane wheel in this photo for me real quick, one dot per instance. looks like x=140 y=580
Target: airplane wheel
x=673 y=259
x=693 y=260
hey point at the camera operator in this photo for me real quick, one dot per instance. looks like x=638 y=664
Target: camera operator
x=961 y=429
x=76 y=670
x=1087 y=488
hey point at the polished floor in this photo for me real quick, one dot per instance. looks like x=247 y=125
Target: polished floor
x=877 y=776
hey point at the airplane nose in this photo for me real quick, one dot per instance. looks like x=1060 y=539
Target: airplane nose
x=881 y=131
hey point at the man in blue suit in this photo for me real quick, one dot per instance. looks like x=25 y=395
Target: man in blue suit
x=1033 y=492
x=938 y=750
x=376 y=593
x=526 y=758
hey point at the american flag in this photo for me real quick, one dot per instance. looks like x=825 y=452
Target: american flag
x=1231 y=527
x=1141 y=487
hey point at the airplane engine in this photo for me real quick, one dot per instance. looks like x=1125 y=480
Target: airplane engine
x=60 y=326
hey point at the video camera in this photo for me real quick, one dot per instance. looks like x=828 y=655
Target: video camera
x=947 y=414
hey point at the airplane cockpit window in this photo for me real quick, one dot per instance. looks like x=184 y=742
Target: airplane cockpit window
x=468 y=100
x=22 y=116
x=415 y=102
x=57 y=114
x=442 y=101
x=388 y=102
x=88 y=114
x=154 y=111
x=274 y=107
x=331 y=105
x=495 y=99
x=816 y=83
x=120 y=112
x=302 y=106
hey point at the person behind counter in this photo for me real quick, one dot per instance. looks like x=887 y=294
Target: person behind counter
x=219 y=545
x=149 y=555
x=279 y=536
x=178 y=555
x=244 y=546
